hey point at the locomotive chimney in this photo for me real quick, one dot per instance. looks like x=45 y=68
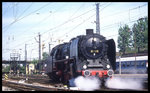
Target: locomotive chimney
x=89 y=31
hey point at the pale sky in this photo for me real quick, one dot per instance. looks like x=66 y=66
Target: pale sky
x=22 y=21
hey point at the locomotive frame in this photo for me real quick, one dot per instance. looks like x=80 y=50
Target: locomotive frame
x=86 y=55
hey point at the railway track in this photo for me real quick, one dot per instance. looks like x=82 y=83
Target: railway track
x=37 y=87
x=31 y=78
x=40 y=83
x=117 y=89
x=31 y=87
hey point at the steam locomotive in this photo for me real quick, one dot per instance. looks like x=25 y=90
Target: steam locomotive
x=86 y=55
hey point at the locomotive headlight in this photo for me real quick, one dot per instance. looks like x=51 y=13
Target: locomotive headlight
x=84 y=66
x=67 y=57
x=108 y=66
x=45 y=65
x=94 y=39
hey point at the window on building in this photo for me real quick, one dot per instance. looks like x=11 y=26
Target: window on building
x=117 y=64
x=138 y=63
x=128 y=64
x=132 y=63
x=123 y=64
x=142 y=64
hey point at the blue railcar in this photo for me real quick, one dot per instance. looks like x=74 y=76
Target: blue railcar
x=132 y=65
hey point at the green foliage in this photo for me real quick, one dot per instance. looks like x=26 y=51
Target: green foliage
x=45 y=55
x=140 y=34
x=35 y=61
x=22 y=69
x=5 y=69
x=138 y=37
x=124 y=38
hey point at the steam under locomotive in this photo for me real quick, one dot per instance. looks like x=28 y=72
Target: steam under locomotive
x=87 y=55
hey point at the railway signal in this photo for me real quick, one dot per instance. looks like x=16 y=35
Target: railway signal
x=43 y=46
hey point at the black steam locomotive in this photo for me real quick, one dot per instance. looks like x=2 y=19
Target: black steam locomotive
x=87 y=55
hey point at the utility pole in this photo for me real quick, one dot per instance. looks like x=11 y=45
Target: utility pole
x=49 y=48
x=119 y=64
x=43 y=46
x=40 y=50
x=135 y=50
x=26 y=58
x=25 y=52
x=97 y=19
x=39 y=47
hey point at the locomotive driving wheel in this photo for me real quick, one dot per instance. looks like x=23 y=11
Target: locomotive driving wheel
x=54 y=77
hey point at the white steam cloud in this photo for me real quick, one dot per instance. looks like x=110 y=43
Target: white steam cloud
x=87 y=83
x=124 y=83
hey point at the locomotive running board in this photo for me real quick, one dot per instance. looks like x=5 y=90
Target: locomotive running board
x=94 y=65
x=64 y=60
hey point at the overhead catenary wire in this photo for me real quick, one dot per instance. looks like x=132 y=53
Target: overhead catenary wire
x=7 y=27
x=30 y=39
x=109 y=25
x=124 y=11
x=106 y=6
x=67 y=21
x=84 y=21
x=111 y=3
x=112 y=25
x=59 y=25
x=26 y=9
x=41 y=21
x=72 y=15
x=22 y=43
x=56 y=27
x=19 y=15
x=7 y=8
x=26 y=16
x=76 y=10
x=78 y=25
x=105 y=27
x=101 y=5
x=15 y=10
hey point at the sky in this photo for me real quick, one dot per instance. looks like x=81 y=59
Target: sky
x=60 y=21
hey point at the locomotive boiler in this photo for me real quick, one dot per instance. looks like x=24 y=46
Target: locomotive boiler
x=86 y=55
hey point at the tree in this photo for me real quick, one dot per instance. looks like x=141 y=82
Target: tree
x=35 y=61
x=145 y=32
x=5 y=69
x=22 y=69
x=124 y=39
x=140 y=34
x=45 y=55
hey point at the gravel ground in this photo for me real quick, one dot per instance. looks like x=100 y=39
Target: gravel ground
x=4 y=88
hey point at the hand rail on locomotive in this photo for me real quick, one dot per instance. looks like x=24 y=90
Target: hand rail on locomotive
x=67 y=60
